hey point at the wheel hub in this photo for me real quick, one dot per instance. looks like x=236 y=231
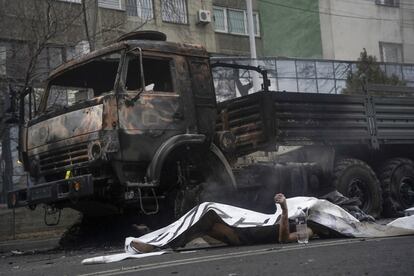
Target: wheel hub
x=357 y=189
x=406 y=191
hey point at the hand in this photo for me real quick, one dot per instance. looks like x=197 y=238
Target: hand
x=281 y=199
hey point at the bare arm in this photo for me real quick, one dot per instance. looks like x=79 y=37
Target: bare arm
x=284 y=234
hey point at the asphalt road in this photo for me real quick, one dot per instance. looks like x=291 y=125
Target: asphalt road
x=383 y=256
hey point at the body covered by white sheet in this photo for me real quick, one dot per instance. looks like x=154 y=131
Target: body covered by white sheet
x=320 y=211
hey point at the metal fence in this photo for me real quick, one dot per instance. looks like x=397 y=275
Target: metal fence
x=297 y=75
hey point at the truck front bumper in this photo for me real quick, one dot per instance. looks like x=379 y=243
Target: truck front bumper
x=52 y=192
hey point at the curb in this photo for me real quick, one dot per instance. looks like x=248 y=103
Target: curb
x=29 y=245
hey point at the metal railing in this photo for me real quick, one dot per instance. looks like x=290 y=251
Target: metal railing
x=297 y=75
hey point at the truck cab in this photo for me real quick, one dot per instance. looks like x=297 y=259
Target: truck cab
x=130 y=124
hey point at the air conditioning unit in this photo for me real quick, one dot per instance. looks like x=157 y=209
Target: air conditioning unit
x=204 y=16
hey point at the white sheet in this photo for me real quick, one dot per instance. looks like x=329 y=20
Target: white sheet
x=318 y=210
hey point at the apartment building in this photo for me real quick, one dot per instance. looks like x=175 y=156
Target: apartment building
x=221 y=26
x=385 y=28
x=338 y=29
x=66 y=28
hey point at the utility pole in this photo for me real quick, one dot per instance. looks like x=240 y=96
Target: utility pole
x=252 y=40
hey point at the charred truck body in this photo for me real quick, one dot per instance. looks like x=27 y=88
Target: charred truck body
x=131 y=124
x=137 y=124
x=361 y=145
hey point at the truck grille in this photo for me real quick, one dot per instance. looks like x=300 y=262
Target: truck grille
x=54 y=160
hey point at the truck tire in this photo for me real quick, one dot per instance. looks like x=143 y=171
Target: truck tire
x=355 y=178
x=211 y=179
x=397 y=182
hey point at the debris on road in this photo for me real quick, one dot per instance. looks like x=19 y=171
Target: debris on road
x=17 y=252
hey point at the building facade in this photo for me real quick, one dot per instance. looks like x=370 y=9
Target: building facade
x=219 y=25
x=338 y=29
x=291 y=28
x=385 y=28
x=53 y=31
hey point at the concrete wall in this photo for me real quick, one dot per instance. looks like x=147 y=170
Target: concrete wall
x=349 y=26
x=291 y=28
x=27 y=224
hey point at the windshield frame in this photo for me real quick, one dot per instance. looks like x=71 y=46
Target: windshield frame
x=147 y=55
x=44 y=99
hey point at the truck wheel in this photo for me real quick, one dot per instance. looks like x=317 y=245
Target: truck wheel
x=397 y=181
x=213 y=187
x=200 y=175
x=355 y=178
x=185 y=199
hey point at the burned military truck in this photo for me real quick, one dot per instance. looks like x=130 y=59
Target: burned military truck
x=131 y=124
x=136 y=124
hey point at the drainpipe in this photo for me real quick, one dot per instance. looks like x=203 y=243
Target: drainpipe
x=252 y=40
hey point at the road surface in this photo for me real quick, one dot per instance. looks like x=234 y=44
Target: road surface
x=381 y=256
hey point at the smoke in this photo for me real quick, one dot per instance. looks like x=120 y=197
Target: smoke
x=304 y=171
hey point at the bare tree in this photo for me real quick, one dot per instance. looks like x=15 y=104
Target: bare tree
x=41 y=25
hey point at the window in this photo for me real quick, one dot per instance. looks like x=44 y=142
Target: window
x=390 y=3
x=391 y=52
x=3 y=59
x=84 y=82
x=237 y=22
x=82 y=48
x=174 y=11
x=56 y=56
x=256 y=24
x=234 y=21
x=157 y=74
x=63 y=96
x=17 y=59
x=50 y=58
x=110 y=4
x=72 y=1
x=70 y=53
x=220 y=19
x=140 y=8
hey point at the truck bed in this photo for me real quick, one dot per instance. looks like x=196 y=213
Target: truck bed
x=265 y=119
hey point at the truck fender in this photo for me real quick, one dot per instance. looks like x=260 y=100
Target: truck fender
x=155 y=167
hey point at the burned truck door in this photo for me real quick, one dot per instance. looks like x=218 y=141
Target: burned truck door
x=204 y=96
x=149 y=113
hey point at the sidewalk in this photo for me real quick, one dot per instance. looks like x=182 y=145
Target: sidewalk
x=24 y=245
